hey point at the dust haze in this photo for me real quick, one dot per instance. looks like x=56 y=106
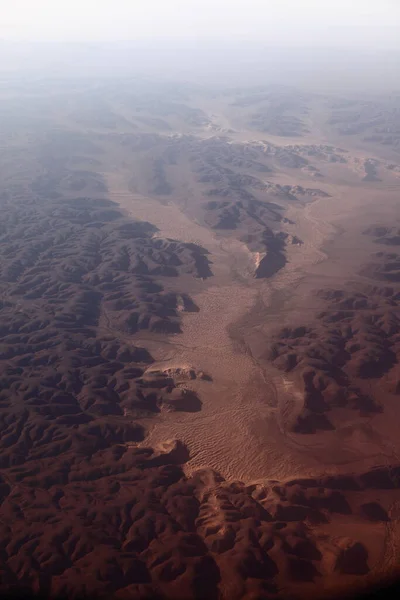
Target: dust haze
x=199 y=299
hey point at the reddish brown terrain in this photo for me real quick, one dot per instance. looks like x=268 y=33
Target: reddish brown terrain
x=200 y=341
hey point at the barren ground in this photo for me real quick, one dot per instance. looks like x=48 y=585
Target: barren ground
x=200 y=341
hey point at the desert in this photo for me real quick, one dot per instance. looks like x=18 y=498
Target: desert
x=200 y=340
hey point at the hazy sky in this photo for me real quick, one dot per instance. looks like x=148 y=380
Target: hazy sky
x=306 y=22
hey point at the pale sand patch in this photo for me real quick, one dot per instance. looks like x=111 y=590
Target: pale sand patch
x=241 y=429
x=170 y=221
x=220 y=435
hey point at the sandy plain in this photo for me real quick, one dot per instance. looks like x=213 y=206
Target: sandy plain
x=242 y=431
